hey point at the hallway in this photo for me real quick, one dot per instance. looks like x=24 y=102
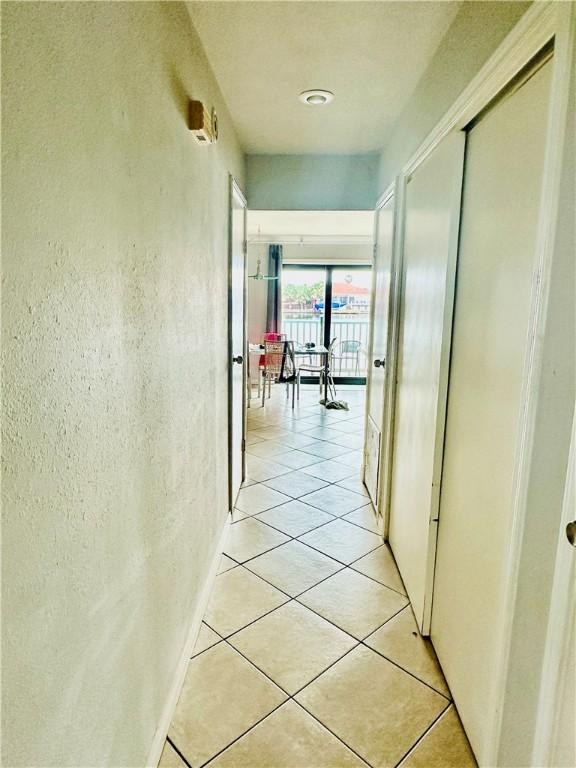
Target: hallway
x=309 y=655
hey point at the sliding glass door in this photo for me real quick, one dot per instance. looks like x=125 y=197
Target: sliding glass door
x=349 y=321
x=303 y=292
x=323 y=303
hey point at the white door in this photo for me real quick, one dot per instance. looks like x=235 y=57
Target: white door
x=497 y=255
x=376 y=433
x=237 y=340
x=432 y=206
x=555 y=742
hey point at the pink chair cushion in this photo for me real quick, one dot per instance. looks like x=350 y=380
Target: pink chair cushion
x=269 y=336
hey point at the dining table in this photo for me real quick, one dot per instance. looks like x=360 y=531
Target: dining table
x=300 y=350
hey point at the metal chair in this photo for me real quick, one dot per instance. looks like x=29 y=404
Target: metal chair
x=279 y=365
x=321 y=371
x=349 y=350
x=268 y=336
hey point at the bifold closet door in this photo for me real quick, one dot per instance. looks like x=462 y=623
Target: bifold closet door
x=432 y=216
x=496 y=262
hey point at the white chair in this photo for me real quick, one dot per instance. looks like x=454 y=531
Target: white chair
x=279 y=365
x=321 y=371
x=349 y=350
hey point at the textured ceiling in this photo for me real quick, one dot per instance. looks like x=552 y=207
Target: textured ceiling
x=370 y=54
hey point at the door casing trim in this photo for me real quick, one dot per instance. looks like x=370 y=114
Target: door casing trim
x=235 y=193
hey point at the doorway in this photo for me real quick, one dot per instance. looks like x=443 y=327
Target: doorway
x=236 y=341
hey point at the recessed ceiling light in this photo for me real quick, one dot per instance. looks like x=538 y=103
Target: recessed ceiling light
x=316 y=97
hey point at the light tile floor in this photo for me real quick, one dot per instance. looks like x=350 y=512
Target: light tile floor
x=309 y=656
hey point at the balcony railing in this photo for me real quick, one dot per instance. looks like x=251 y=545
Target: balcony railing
x=344 y=328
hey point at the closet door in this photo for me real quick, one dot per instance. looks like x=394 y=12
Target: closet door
x=432 y=217
x=502 y=188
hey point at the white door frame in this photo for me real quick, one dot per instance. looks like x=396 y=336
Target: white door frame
x=396 y=190
x=236 y=195
x=542 y=23
x=385 y=198
x=562 y=614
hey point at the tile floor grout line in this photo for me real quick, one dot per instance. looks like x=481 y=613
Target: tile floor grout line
x=303 y=605
x=308 y=589
x=397 y=664
x=344 y=513
x=362 y=527
x=402 y=594
x=321 y=479
x=253 y=663
x=245 y=626
x=254 y=621
x=295 y=538
x=245 y=733
x=345 y=630
x=290 y=697
x=423 y=735
x=331 y=441
x=336 y=517
x=334 y=483
x=178 y=752
x=311 y=464
x=276 y=546
x=253 y=514
x=290 y=597
x=204 y=650
x=294 y=498
x=297 y=469
x=344 y=566
x=312 y=680
x=295 y=599
x=332 y=556
x=340 y=739
x=291 y=538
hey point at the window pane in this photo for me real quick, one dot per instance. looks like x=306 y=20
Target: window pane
x=350 y=318
x=303 y=304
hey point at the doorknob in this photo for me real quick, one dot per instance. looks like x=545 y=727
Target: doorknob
x=379 y=363
x=571 y=532
x=238 y=359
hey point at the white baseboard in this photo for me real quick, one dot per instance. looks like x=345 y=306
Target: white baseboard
x=174 y=694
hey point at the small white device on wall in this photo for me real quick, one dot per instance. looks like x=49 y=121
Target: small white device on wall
x=202 y=123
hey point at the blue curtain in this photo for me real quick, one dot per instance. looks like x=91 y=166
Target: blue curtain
x=274 y=305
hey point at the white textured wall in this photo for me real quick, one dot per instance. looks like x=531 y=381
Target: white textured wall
x=477 y=30
x=115 y=252
x=257 y=297
x=360 y=253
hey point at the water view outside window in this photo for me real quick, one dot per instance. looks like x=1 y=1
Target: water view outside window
x=303 y=312
x=350 y=320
